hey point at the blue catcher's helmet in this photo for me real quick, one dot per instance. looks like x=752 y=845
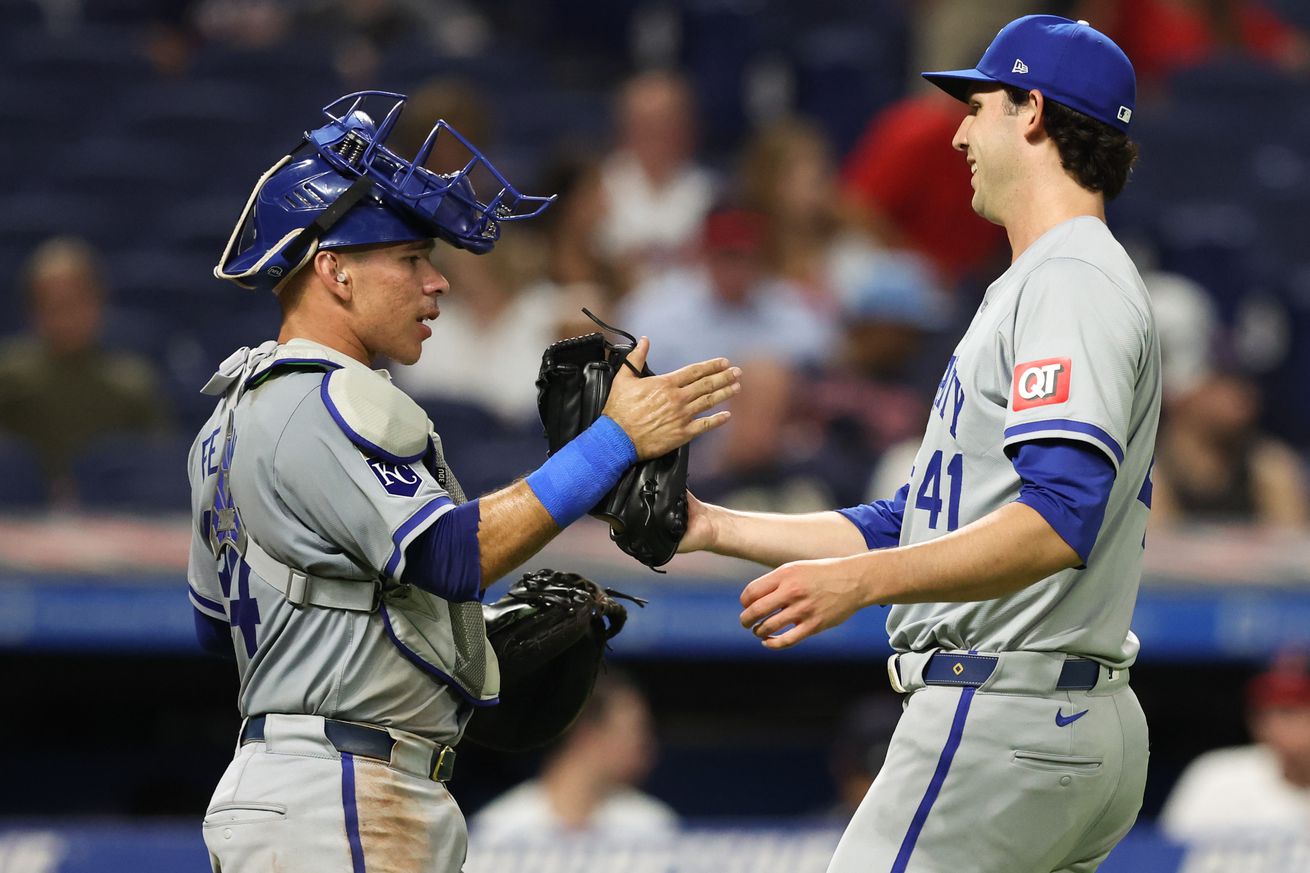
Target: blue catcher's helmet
x=343 y=187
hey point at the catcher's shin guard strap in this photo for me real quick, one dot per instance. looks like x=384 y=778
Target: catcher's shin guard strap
x=573 y=479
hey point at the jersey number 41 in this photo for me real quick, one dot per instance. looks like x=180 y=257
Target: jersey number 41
x=930 y=490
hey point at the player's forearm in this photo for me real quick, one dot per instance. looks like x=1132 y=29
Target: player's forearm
x=998 y=554
x=513 y=527
x=774 y=539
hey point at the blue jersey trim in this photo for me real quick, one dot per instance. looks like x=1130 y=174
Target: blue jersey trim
x=206 y=603
x=414 y=658
x=880 y=521
x=287 y=362
x=355 y=436
x=935 y=785
x=1069 y=426
x=407 y=531
x=352 y=812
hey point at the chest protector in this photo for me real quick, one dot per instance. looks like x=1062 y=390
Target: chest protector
x=446 y=640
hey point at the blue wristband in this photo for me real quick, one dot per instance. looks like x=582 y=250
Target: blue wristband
x=578 y=475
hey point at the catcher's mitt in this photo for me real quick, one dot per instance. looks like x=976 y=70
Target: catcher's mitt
x=549 y=632
x=647 y=508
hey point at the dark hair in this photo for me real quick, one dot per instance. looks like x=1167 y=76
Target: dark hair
x=1099 y=157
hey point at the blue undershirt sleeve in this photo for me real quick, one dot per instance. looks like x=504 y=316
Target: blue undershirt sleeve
x=214 y=635
x=1068 y=483
x=880 y=521
x=445 y=558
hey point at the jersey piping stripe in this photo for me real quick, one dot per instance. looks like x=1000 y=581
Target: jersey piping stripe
x=355 y=437
x=1069 y=426
x=413 y=657
x=409 y=530
x=352 y=812
x=205 y=603
x=935 y=784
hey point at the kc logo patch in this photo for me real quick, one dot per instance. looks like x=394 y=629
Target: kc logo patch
x=398 y=479
x=1040 y=383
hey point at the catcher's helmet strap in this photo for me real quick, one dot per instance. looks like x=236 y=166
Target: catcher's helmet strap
x=358 y=190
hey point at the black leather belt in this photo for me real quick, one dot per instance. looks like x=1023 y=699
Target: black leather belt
x=970 y=671
x=362 y=740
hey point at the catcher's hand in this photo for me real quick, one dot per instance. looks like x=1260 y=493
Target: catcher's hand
x=583 y=377
x=550 y=633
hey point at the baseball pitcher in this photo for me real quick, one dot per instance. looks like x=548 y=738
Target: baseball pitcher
x=1012 y=556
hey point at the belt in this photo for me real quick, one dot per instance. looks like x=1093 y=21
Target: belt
x=970 y=671
x=362 y=740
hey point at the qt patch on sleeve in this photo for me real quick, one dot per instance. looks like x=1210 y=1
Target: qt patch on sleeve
x=1040 y=383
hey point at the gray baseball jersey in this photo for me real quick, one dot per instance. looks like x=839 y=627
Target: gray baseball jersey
x=313 y=499
x=1063 y=346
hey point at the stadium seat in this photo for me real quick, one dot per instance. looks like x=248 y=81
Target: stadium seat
x=22 y=484
x=134 y=473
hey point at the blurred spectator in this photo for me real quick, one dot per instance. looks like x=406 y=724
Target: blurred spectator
x=847 y=414
x=1213 y=463
x=787 y=174
x=1260 y=788
x=246 y=24
x=727 y=303
x=730 y=304
x=457 y=102
x=656 y=194
x=1162 y=36
x=859 y=750
x=953 y=34
x=490 y=310
x=60 y=388
x=1186 y=319
x=588 y=784
x=910 y=186
x=572 y=228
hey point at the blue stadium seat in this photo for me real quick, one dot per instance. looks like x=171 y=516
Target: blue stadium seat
x=134 y=473
x=29 y=218
x=485 y=453
x=22 y=484
x=844 y=75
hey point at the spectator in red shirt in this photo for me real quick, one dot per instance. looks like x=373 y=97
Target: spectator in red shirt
x=909 y=184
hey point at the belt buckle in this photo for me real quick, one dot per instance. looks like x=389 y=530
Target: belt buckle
x=443 y=768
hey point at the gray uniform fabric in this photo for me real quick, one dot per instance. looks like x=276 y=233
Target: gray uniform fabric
x=312 y=498
x=280 y=807
x=1063 y=346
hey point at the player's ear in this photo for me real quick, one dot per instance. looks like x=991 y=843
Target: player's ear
x=1035 y=126
x=331 y=274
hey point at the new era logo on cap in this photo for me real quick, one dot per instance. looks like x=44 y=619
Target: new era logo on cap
x=1019 y=66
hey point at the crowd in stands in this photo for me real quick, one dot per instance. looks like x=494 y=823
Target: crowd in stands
x=723 y=203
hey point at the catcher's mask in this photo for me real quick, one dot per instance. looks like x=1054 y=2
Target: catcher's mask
x=343 y=187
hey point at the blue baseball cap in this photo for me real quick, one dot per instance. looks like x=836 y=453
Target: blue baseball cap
x=1070 y=62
